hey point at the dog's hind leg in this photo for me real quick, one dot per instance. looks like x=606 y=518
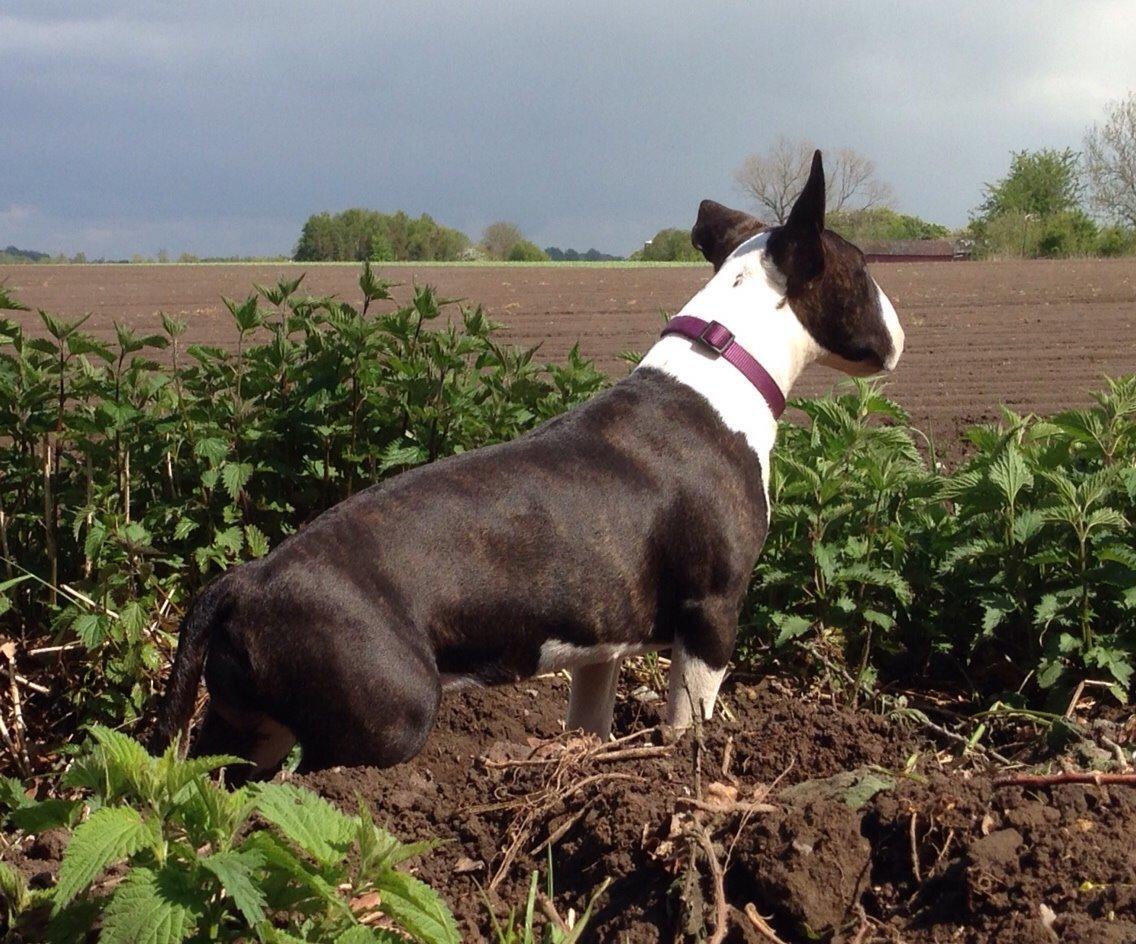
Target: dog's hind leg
x=376 y=710
x=591 y=702
x=251 y=735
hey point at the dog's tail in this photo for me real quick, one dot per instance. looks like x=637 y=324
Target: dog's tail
x=176 y=709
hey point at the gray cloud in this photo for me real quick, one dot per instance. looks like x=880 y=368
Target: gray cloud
x=217 y=128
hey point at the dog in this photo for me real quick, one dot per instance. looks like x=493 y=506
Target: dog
x=629 y=524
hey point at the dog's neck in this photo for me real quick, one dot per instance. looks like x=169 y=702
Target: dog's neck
x=745 y=297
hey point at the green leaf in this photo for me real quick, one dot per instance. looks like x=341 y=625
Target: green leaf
x=280 y=858
x=1114 y=661
x=1010 y=474
x=133 y=619
x=111 y=834
x=396 y=455
x=273 y=935
x=256 y=541
x=1106 y=518
x=235 y=476
x=1068 y=644
x=176 y=774
x=1119 y=554
x=308 y=820
x=127 y=763
x=878 y=577
x=791 y=627
x=246 y=314
x=47 y=814
x=995 y=608
x=152 y=908
x=213 y=450
x=1050 y=673
x=360 y=934
x=883 y=620
x=90 y=628
x=418 y=909
x=1027 y=524
x=6 y=585
x=184 y=528
x=234 y=870
x=1047 y=609
x=13 y=796
x=13 y=889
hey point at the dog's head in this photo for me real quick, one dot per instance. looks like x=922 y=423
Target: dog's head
x=823 y=277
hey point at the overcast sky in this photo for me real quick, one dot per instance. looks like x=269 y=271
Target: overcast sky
x=217 y=128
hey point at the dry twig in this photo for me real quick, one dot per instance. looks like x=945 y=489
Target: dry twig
x=34 y=686
x=915 y=871
x=53 y=650
x=16 y=737
x=761 y=925
x=1117 y=752
x=718 y=877
x=559 y=833
x=1052 y=780
x=965 y=741
x=551 y=913
x=560 y=784
x=719 y=806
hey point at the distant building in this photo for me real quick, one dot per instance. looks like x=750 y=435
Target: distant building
x=915 y=250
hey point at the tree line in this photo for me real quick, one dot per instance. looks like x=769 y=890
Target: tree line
x=1052 y=202
x=359 y=235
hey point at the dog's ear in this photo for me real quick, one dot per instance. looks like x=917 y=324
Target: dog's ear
x=797 y=247
x=718 y=231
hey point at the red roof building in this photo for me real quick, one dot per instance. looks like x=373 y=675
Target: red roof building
x=914 y=250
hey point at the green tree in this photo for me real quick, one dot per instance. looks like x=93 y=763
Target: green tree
x=668 y=245
x=382 y=250
x=526 y=251
x=1036 y=209
x=882 y=223
x=359 y=234
x=1044 y=183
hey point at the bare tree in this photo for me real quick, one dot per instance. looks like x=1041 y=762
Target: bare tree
x=499 y=238
x=774 y=179
x=1110 y=161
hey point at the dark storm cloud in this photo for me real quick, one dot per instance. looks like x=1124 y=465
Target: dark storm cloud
x=217 y=128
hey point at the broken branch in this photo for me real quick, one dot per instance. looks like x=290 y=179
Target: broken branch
x=1052 y=780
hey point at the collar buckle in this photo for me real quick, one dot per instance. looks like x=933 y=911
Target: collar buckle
x=717 y=337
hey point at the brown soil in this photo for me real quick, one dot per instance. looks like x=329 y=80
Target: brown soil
x=985 y=864
x=1035 y=336
x=831 y=824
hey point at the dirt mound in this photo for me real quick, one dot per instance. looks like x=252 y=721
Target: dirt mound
x=798 y=803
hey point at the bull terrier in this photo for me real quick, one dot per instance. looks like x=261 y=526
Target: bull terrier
x=629 y=524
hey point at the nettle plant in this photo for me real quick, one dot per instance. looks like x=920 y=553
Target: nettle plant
x=1045 y=508
x=159 y=852
x=849 y=495
x=132 y=471
x=1014 y=574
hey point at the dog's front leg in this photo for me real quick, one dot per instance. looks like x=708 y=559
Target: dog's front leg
x=692 y=687
x=592 y=699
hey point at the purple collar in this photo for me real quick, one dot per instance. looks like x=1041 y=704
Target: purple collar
x=720 y=339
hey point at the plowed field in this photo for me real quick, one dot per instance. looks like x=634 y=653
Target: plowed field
x=1032 y=335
